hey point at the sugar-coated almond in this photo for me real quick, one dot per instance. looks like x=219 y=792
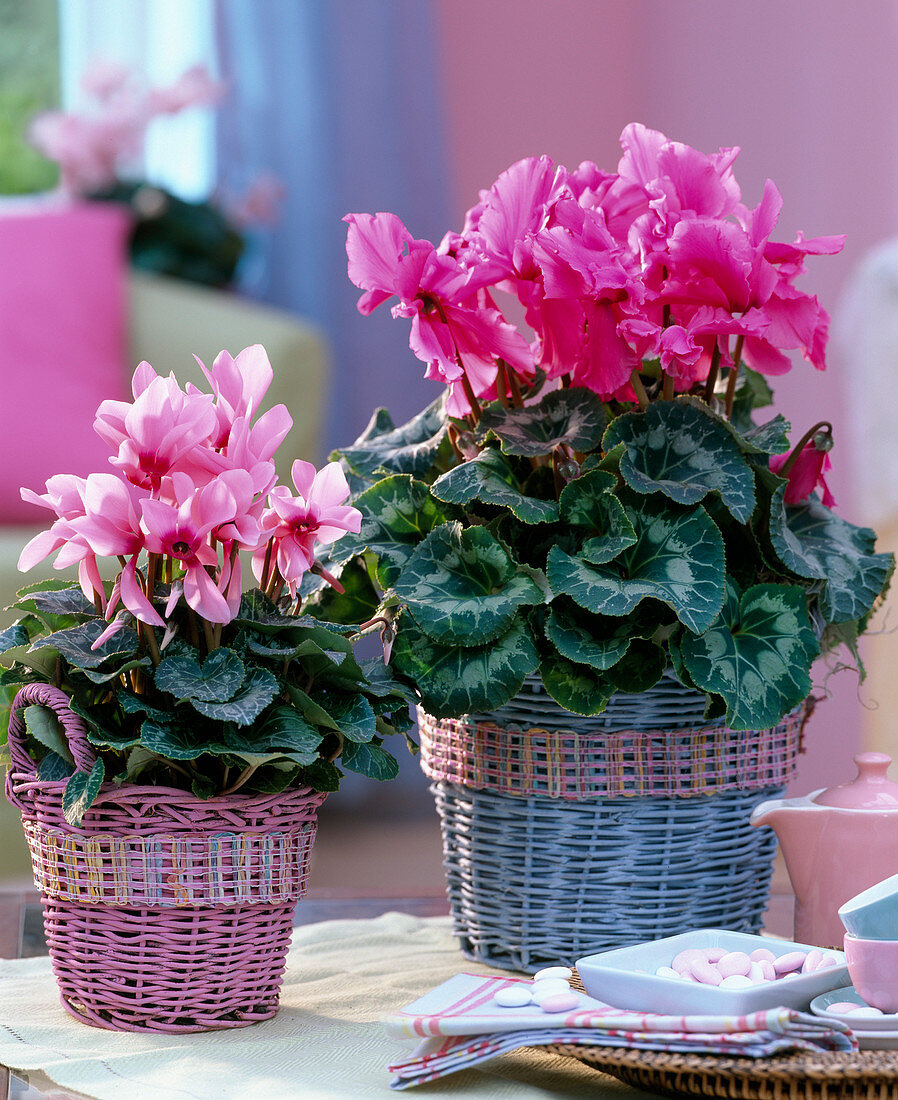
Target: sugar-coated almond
x=827 y=961
x=513 y=996
x=767 y=970
x=867 y=1010
x=546 y=987
x=811 y=961
x=788 y=963
x=757 y=975
x=734 y=963
x=686 y=958
x=843 y=1008
x=735 y=981
x=762 y=954
x=559 y=1002
x=666 y=972
x=705 y=973
x=715 y=954
x=553 y=972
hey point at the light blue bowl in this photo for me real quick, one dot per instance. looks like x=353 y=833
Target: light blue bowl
x=873 y=914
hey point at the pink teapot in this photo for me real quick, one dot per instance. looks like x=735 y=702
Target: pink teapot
x=836 y=842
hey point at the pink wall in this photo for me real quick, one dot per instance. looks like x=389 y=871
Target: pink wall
x=808 y=89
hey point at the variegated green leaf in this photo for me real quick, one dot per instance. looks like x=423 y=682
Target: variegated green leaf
x=462 y=586
x=574 y=417
x=587 y=501
x=677 y=558
x=256 y=692
x=757 y=656
x=214 y=681
x=489 y=478
x=397 y=513
x=772 y=437
x=371 y=760
x=578 y=688
x=355 y=718
x=812 y=541
x=75 y=643
x=678 y=450
x=596 y=640
x=455 y=680
x=752 y=439
x=81 y=792
x=411 y=448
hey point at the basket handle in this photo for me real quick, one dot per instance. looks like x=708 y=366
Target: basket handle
x=73 y=727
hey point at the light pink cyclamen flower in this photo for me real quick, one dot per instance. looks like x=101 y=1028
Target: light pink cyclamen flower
x=239 y=386
x=162 y=431
x=295 y=524
x=181 y=530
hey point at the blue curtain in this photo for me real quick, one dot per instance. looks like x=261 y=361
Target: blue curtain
x=340 y=100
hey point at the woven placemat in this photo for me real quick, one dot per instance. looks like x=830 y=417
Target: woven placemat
x=804 y=1075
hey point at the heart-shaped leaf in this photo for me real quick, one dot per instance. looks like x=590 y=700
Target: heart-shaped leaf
x=679 y=450
x=462 y=586
x=812 y=541
x=355 y=718
x=587 y=501
x=490 y=478
x=258 y=689
x=75 y=644
x=411 y=448
x=678 y=559
x=284 y=729
x=397 y=513
x=80 y=793
x=757 y=656
x=43 y=725
x=371 y=760
x=214 y=681
x=596 y=640
x=578 y=688
x=455 y=680
x=574 y=417
x=13 y=636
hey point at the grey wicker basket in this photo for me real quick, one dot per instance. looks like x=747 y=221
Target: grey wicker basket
x=565 y=835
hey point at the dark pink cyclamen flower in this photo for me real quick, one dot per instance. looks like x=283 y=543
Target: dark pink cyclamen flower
x=451 y=329
x=806 y=474
x=159 y=432
x=295 y=524
x=182 y=531
x=581 y=262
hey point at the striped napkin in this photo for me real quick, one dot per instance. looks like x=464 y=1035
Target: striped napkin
x=461 y=1025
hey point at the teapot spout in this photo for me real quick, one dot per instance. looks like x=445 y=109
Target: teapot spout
x=797 y=823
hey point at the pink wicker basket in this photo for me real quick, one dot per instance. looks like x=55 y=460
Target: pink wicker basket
x=163 y=912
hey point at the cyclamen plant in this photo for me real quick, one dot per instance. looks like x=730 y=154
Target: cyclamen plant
x=183 y=678
x=593 y=501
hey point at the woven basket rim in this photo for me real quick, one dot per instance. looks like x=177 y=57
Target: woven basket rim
x=111 y=794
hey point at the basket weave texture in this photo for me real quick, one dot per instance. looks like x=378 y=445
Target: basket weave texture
x=805 y=1075
x=565 y=835
x=163 y=912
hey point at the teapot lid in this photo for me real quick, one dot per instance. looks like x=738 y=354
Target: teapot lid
x=871 y=789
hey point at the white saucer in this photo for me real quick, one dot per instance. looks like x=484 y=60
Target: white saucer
x=886 y=1024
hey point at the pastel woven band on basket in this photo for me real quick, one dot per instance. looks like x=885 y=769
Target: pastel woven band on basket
x=168 y=870
x=569 y=765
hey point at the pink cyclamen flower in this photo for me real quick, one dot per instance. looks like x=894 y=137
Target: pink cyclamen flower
x=295 y=524
x=158 y=431
x=181 y=530
x=455 y=330
x=196 y=87
x=239 y=386
x=806 y=474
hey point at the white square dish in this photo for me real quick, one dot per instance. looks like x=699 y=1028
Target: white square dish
x=625 y=977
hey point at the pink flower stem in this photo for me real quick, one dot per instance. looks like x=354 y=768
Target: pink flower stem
x=241 y=779
x=712 y=374
x=820 y=426
x=516 y=396
x=641 y=396
x=453 y=442
x=152 y=644
x=734 y=374
x=266 y=567
x=194 y=631
x=209 y=635
x=502 y=387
